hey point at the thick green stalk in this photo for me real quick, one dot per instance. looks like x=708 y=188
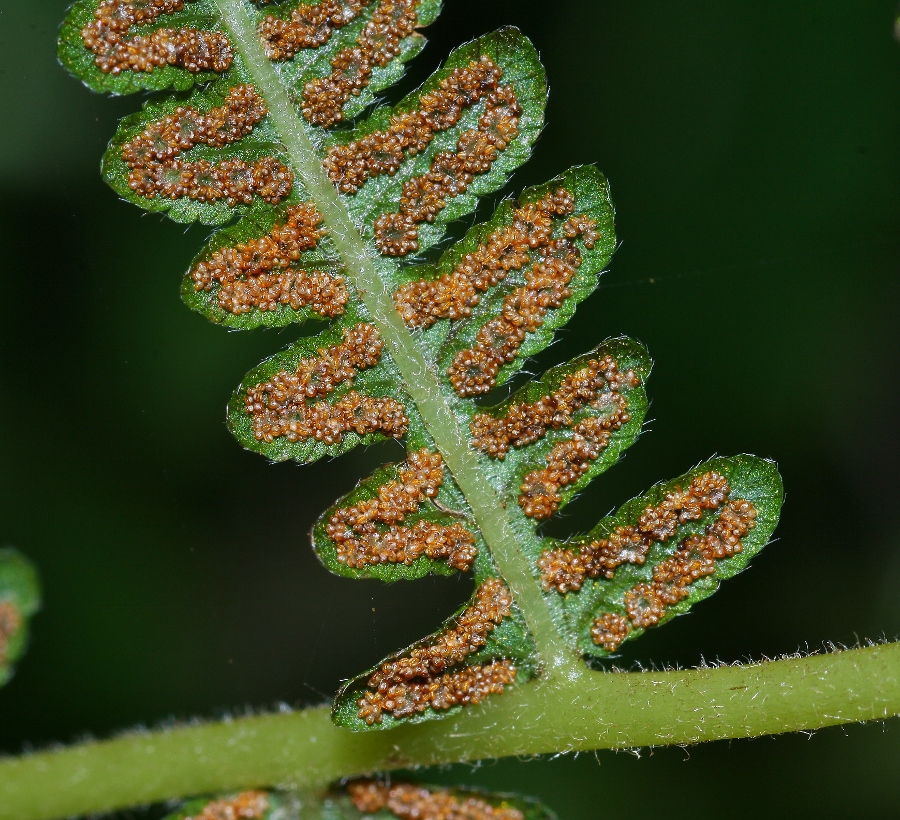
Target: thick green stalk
x=602 y=711
x=420 y=380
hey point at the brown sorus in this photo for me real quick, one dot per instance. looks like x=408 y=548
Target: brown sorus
x=189 y=48
x=360 y=542
x=158 y=170
x=250 y=805
x=410 y=802
x=424 y=679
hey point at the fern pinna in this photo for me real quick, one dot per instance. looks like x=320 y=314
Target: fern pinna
x=337 y=214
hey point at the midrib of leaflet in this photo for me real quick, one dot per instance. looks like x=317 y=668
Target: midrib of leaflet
x=420 y=380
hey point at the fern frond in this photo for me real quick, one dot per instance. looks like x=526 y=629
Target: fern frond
x=332 y=215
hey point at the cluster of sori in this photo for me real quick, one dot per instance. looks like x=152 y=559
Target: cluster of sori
x=695 y=557
x=412 y=684
x=257 y=275
x=525 y=423
x=409 y=133
x=279 y=406
x=426 y=195
x=382 y=152
x=474 y=370
x=596 y=386
x=570 y=459
x=378 y=43
x=566 y=569
x=359 y=541
x=157 y=169
x=10 y=623
x=107 y=37
x=423 y=302
x=409 y=801
x=251 y=805
x=310 y=25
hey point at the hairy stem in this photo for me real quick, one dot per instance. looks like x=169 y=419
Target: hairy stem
x=603 y=711
x=421 y=381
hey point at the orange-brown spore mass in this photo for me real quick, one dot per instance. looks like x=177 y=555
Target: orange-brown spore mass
x=244 y=806
x=597 y=386
x=360 y=542
x=107 y=36
x=610 y=630
x=473 y=371
x=525 y=423
x=694 y=558
x=411 y=132
x=425 y=196
x=10 y=623
x=412 y=684
x=257 y=275
x=410 y=802
x=566 y=569
x=453 y=295
x=450 y=173
x=279 y=406
x=352 y=67
x=310 y=26
x=158 y=170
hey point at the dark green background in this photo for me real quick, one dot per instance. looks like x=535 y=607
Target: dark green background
x=754 y=154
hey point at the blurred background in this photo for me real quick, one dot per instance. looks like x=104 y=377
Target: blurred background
x=754 y=155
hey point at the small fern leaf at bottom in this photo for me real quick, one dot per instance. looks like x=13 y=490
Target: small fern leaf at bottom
x=366 y=799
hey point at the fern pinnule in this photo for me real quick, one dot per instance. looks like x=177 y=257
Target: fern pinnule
x=366 y=798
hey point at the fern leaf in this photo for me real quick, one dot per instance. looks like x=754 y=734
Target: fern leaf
x=332 y=207
x=19 y=599
x=664 y=551
x=371 y=799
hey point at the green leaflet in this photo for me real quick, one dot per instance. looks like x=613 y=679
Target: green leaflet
x=591 y=194
x=20 y=598
x=749 y=478
x=519 y=461
x=509 y=643
x=522 y=70
x=445 y=510
x=372 y=799
x=261 y=143
x=207 y=298
x=312 y=63
x=329 y=217
x=80 y=61
x=379 y=382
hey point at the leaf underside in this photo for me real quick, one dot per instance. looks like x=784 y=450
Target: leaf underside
x=370 y=799
x=209 y=149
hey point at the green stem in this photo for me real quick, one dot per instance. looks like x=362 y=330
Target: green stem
x=419 y=377
x=602 y=711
